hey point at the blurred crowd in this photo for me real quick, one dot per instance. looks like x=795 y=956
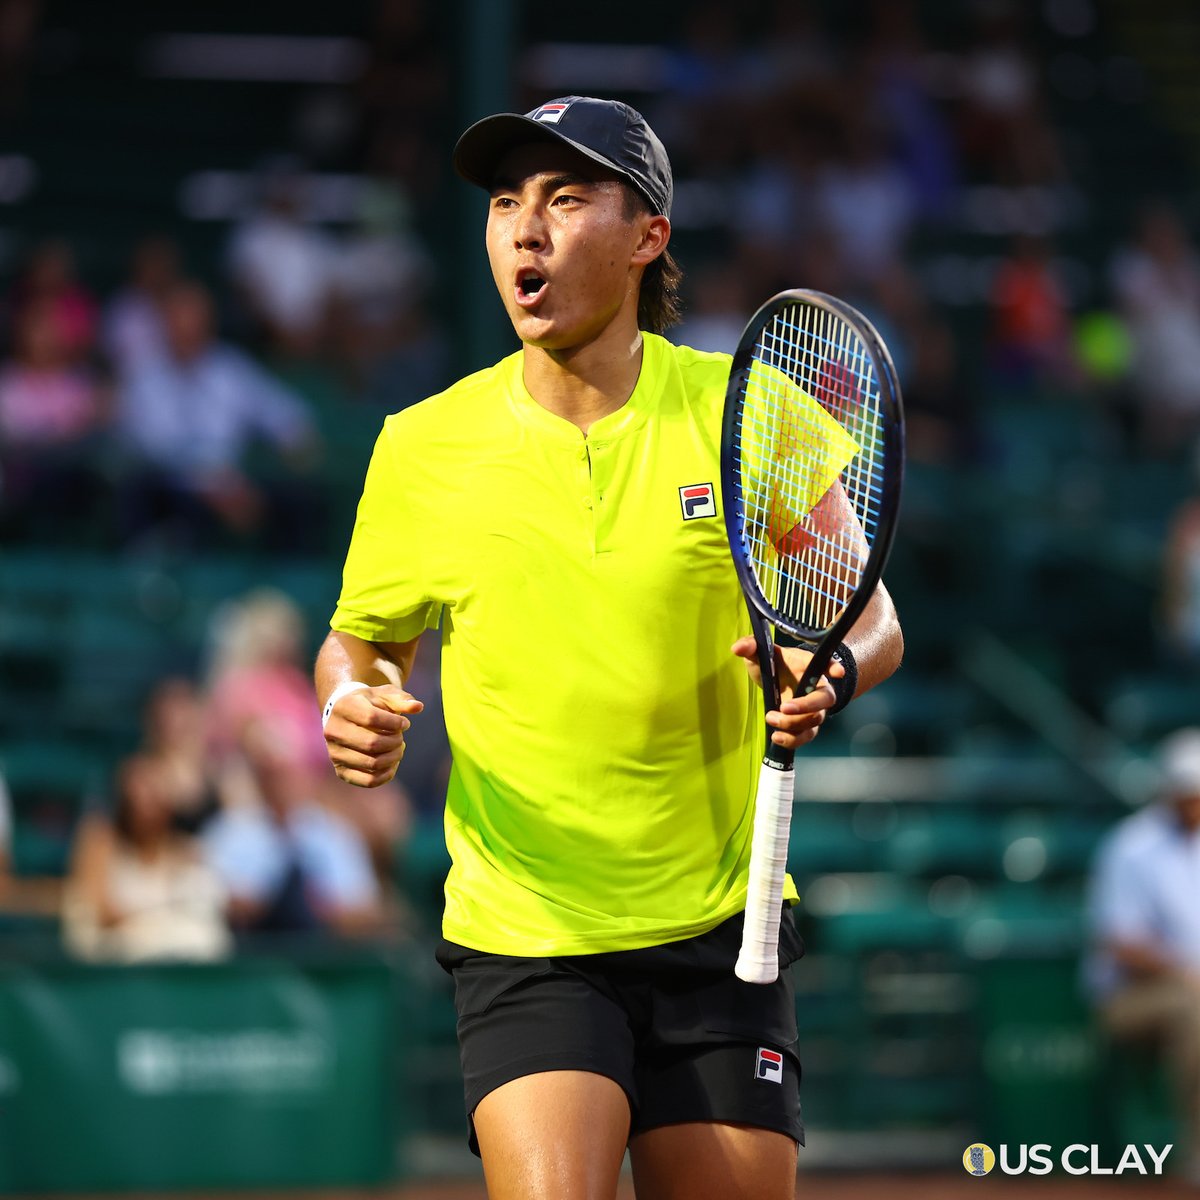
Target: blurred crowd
x=227 y=821
x=169 y=412
x=812 y=153
x=137 y=411
x=832 y=157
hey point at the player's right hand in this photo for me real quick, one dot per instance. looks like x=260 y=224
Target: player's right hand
x=365 y=733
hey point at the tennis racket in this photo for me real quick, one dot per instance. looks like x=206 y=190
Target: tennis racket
x=812 y=454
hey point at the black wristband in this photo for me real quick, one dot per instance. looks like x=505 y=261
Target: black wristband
x=845 y=687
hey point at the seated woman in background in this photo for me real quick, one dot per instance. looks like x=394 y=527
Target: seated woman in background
x=175 y=735
x=137 y=888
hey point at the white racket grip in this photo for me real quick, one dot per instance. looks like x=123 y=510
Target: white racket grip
x=758 y=960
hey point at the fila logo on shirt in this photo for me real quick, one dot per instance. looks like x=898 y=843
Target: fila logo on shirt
x=769 y=1065
x=697 y=500
x=551 y=114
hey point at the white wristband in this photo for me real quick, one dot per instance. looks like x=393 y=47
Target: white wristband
x=342 y=689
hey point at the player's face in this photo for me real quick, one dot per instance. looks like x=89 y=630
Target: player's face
x=564 y=250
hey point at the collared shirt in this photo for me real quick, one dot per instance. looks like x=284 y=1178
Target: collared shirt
x=194 y=418
x=1145 y=890
x=606 y=742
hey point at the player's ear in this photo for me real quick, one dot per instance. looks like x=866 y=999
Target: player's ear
x=656 y=233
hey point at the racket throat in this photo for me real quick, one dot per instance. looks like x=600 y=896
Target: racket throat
x=776 y=757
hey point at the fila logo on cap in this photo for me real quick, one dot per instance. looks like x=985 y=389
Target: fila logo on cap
x=769 y=1065
x=550 y=113
x=697 y=500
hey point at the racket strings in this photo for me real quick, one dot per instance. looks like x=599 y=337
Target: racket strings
x=809 y=449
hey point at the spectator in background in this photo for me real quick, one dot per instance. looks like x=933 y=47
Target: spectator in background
x=175 y=738
x=1144 y=967
x=403 y=94
x=259 y=673
x=132 y=328
x=292 y=864
x=864 y=200
x=896 y=73
x=712 y=64
x=940 y=417
x=282 y=267
x=52 y=409
x=1031 y=336
x=49 y=279
x=138 y=889
x=1004 y=132
x=775 y=197
x=381 y=328
x=46 y=397
x=188 y=420
x=1157 y=284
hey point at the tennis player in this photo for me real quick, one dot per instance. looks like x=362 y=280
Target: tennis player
x=556 y=516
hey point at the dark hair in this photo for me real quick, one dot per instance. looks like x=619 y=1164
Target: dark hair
x=659 y=306
x=126 y=778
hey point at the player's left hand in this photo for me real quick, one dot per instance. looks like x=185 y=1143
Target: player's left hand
x=799 y=718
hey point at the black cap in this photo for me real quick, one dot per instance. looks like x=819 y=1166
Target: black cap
x=606 y=131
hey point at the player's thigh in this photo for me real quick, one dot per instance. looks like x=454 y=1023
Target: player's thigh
x=553 y=1135
x=713 y=1160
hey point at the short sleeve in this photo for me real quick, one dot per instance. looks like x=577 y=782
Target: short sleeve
x=385 y=593
x=783 y=423
x=1120 y=906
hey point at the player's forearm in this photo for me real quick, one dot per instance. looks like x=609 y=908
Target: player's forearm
x=345 y=658
x=876 y=641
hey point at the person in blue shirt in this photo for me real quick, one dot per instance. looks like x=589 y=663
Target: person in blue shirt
x=1144 y=914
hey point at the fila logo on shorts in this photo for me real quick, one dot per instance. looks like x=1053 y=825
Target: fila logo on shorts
x=697 y=500
x=769 y=1065
x=550 y=113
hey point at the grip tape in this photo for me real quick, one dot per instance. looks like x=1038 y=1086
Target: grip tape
x=758 y=961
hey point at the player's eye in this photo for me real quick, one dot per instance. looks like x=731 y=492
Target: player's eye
x=503 y=202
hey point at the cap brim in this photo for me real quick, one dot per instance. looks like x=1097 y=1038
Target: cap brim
x=478 y=152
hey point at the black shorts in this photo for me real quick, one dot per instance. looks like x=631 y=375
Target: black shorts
x=672 y=1025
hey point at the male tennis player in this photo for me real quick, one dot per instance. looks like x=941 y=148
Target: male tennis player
x=557 y=515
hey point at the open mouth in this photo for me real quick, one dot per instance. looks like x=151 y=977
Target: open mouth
x=530 y=286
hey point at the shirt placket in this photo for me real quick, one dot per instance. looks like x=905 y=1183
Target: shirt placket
x=598 y=463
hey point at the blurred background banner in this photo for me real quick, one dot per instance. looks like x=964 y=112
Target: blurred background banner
x=231 y=243
x=172 y=1077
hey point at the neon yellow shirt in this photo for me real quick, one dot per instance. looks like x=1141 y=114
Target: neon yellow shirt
x=606 y=743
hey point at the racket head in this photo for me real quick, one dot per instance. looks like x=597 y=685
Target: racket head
x=812 y=462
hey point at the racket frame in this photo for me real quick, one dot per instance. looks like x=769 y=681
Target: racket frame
x=822 y=643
